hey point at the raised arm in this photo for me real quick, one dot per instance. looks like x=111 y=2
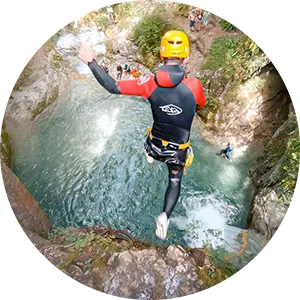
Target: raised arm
x=140 y=87
x=103 y=78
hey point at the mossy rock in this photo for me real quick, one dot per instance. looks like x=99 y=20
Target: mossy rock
x=22 y=79
x=5 y=147
x=57 y=60
x=45 y=103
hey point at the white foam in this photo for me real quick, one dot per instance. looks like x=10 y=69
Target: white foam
x=206 y=222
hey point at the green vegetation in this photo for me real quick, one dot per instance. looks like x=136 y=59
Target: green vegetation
x=99 y=17
x=5 y=146
x=53 y=37
x=290 y=165
x=227 y=26
x=148 y=32
x=128 y=9
x=109 y=49
x=102 y=22
x=238 y=58
x=45 y=103
x=87 y=247
x=219 y=268
x=57 y=60
x=221 y=55
x=182 y=10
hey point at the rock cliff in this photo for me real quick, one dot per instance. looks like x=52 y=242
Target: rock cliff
x=248 y=113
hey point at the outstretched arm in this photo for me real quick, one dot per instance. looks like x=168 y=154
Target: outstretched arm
x=103 y=78
x=142 y=87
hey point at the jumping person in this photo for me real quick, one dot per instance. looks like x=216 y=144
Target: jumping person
x=174 y=100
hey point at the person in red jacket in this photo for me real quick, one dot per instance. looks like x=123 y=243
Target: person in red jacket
x=174 y=99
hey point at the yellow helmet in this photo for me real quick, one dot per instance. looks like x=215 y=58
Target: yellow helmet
x=175 y=44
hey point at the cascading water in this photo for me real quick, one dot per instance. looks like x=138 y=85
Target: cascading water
x=85 y=165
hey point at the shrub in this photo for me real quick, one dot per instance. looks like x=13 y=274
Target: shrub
x=221 y=54
x=148 y=32
x=239 y=58
x=102 y=22
x=219 y=257
x=227 y=26
x=99 y=17
x=128 y=9
x=182 y=10
x=290 y=166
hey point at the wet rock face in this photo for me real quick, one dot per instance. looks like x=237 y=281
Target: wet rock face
x=148 y=274
x=38 y=86
x=6 y=154
x=248 y=112
x=70 y=42
x=25 y=207
x=267 y=212
x=272 y=200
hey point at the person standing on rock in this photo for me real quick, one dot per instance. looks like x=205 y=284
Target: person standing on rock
x=192 y=18
x=127 y=69
x=105 y=68
x=110 y=12
x=174 y=100
x=119 y=72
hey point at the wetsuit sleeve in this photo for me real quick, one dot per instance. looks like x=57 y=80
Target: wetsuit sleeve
x=200 y=97
x=141 y=87
x=196 y=88
x=103 y=78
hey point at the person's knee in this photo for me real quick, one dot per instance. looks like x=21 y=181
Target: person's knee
x=175 y=179
x=174 y=182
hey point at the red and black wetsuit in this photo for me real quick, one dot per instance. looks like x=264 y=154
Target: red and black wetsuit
x=174 y=100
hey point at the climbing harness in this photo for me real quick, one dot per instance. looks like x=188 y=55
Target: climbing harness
x=166 y=143
x=190 y=152
x=189 y=159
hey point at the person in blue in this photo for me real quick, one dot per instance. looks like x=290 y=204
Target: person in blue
x=227 y=151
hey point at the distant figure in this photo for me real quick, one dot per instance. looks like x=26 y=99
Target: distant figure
x=192 y=18
x=110 y=12
x=227 y=151
x=105 y=68
x=126 y=69
x=199 y=19
x=120 y=72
